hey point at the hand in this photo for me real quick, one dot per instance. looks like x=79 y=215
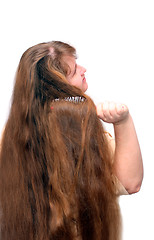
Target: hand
x=111 y=112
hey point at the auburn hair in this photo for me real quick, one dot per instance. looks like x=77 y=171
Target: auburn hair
x=55 y=163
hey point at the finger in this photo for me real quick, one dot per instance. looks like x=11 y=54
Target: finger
x=112 y=109
x=105 y=109
x=121 y=108
x=100 y=112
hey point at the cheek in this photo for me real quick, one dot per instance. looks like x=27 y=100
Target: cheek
x=76 y=81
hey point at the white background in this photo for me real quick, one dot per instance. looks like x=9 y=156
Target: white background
x=115 y=43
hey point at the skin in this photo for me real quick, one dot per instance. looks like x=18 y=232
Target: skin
x=128 y=165
x=76 y=75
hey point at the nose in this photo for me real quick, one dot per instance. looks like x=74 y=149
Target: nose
x=82 y=70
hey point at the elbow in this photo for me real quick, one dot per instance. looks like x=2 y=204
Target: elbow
x=134 y=185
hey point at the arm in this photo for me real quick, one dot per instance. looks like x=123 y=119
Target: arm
x=128 y=164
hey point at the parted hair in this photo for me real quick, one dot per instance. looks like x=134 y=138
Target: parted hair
x=55 y=162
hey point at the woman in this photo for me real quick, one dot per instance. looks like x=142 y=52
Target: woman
x=47 y=72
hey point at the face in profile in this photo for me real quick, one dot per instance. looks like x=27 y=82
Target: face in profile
x=76 y=74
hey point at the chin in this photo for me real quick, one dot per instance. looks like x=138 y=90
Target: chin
x=84 y=89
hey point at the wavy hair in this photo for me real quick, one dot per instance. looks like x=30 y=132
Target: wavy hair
x=55 y=163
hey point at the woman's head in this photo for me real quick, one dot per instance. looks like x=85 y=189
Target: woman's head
x=49 y=70
x=41 y=77
x=74 y=73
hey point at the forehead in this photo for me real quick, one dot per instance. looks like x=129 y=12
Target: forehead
x=70 y=60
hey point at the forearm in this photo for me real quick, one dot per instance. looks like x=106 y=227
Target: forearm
x=128 y=164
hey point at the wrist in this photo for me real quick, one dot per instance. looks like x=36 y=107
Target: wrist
x=123 y=121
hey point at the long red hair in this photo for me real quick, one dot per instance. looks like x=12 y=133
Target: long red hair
x=55 y=163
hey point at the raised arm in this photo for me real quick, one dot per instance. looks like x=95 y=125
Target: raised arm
x=128 y=165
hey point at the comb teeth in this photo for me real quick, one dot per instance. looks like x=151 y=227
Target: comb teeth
x=76 y=99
